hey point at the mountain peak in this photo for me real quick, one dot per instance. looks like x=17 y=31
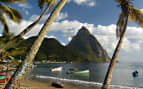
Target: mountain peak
x=87 y=44
x=83 y=31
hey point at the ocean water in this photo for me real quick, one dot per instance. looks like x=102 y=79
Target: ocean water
x=122 y=75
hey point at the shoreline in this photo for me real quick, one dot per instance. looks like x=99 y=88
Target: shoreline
x=44 y=84
x=65 y=62
x=73 y=84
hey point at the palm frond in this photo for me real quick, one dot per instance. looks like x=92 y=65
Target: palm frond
x=5 y=39
x=13 y=60
x=119 y=1
x=136 y=15
x=12 y=1
x=53 y=2
x=11 y=13
x=17 y=14
x=122 y=1
x=16 y=51
x=120 y=25
x=4 y=22
x=41 y=3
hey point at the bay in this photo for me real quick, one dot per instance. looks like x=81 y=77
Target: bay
x=122 y=74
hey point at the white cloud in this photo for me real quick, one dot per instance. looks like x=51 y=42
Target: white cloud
x=132 y=44
x=24 y=5
x=141 y=10
x=34 y=17
x=106 y=35
x=63 y=43
x=90 y=3
x=17 y=28
x=69 y=39
x=26 y=12
x=50 y=36
x=61 y=16
x=80 y=1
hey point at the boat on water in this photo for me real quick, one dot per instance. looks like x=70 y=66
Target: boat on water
x=72 y=70
x=56 y=69
x=82 y=72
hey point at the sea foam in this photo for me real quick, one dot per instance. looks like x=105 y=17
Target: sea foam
x=84 y=83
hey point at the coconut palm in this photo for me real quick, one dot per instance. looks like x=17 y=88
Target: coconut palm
x=41 y=4
x=35 y=47
x=13 y=14
x=129 y=12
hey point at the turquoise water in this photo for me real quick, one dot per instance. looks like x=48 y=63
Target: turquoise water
x=122 y=74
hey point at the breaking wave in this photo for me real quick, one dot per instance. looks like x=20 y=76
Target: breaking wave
x=84 y=83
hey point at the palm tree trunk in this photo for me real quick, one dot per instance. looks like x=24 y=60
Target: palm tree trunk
x=26 y=30
x=33 y=24
x=108 y=77
x=35 y=47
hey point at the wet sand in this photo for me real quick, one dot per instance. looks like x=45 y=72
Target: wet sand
x=37 y=84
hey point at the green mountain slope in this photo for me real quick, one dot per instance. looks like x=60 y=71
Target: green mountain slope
x=88 y=44
x=83 y=48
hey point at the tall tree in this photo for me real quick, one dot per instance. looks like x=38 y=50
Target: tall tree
x=12 y=13
x=129 y=12
x=41 y=4
x=36 y=45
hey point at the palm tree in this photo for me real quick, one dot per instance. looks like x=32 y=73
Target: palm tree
x=35 y=47
x=129 y=12
x=13 y=14
x=41 y=4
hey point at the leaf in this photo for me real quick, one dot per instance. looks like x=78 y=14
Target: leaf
x=17 y=14
x=11 y=13
x=118 y=1
x=41 y=3
x=54 y=2
x=136 y=15
x=4 y=22
x=13 y=60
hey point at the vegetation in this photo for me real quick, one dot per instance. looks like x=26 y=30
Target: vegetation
x=13 y=14
x=129 y=12
x=36 y=45
x=11 y=45
x=17 y=39
x=52 y=50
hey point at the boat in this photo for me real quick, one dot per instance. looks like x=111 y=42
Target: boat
x=4 y=78
x=57 y=69
x=72 y=70
x=82 y=72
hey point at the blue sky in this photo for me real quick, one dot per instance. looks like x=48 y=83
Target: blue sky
x=99 y=16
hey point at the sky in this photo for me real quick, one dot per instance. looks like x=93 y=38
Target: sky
x=99 y=16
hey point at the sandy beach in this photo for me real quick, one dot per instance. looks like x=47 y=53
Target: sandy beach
x=36 y=84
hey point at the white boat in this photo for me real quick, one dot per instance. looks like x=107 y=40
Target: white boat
x=82 y=72
x=57 y=69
